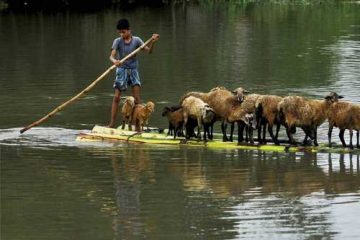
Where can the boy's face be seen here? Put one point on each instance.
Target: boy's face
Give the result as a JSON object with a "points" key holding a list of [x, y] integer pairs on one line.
{"points": [[124, 33]]}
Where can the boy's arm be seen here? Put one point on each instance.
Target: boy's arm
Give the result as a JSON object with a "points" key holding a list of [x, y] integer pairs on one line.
{"points": [[113, 58], [150, 46]]}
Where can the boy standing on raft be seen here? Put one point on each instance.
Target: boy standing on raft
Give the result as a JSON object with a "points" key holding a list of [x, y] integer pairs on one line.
{"points": [[126, 73]]}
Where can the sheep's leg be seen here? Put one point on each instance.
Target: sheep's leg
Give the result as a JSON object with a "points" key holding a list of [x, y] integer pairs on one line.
{"points": [[315, 137], [123, 124], [175, 132], [223, 130], [288, 133], [206, 130], [351, 136], [270, 130], [329, 133], [199, 126], [264, 133], [240, 132], [259, 133], [341, 136], [277, 133], [251, 135], [357, 138], [231, 131], [211, 136], [170, 130]]}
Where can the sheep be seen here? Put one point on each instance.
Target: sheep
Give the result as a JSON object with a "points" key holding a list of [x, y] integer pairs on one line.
{"points": [[266, 113], [175, 117], [344, 115], [141, 115], [295, 111], [196, 108], [243, 114], [127, 111], [221, 101]]}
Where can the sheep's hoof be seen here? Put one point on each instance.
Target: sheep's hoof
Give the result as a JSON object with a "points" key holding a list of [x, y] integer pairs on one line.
{"points": [[183, 141]]}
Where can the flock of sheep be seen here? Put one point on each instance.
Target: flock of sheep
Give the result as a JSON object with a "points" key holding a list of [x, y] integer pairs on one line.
{"points": [[250, 111]]}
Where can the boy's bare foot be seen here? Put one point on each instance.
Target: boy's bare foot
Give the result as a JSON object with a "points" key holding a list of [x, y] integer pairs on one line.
{"points": [[111, 125]]}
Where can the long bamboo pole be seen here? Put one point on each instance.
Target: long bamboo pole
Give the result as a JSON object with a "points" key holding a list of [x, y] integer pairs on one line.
{"points": [[87, 89]]}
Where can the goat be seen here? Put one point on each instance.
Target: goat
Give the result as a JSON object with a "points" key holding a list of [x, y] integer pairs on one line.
{"points": [[127, 111], [141, 115]]}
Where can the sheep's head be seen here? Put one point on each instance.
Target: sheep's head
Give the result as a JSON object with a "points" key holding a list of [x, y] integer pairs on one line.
{"points": [[250, 120], [150, 106], [240, 93], [165, 111], [208, 113], [333, 97], [130, 101]]}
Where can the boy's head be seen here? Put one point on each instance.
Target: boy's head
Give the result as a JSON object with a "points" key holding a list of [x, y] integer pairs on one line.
{"points": [[123, 24], [123, 28]]}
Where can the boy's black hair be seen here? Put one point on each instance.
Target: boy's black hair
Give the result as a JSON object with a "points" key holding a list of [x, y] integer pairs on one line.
{"points": [[123, 24]]}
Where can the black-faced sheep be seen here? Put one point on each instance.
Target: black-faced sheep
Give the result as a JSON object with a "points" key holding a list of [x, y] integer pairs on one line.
{"points": [[344, 115], [267, 114], [196, 108], [141, 115], [127, 111], [308, 114]]}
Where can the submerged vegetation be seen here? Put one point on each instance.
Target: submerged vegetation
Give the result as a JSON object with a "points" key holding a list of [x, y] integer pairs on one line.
{"points": [[99, 4]]}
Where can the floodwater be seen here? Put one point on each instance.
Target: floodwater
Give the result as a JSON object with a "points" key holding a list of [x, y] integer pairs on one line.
{"points": [[53, 187]]}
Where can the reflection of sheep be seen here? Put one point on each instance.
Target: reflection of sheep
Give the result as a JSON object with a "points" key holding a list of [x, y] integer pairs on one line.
{"points": [[243, 112], [141, 115], [127, 111], [266, 114], [344, 115], [175, 117], [221, 101], [196, 108], [308, 114]]}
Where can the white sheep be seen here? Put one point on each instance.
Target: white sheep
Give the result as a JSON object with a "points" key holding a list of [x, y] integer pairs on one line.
{"points": [[194, 107]]}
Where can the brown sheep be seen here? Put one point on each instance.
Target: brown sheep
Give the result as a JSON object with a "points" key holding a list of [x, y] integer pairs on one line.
{"points": [[175, 117], [344, 115], [221, 101], [295, 111], [194, 107], [127, 111], [241, 113], [267, 114], [141, 115]]}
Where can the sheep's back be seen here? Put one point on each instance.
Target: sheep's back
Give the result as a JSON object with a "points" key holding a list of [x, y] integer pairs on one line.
{"points": [[345, 115]]}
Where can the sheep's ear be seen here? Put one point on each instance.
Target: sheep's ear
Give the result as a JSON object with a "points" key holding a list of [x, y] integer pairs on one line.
{"points": [[340, 96], [246, 91], [328, 97]]}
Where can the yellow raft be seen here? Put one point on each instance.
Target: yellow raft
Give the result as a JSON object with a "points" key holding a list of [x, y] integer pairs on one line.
{"points": [[100, 133]]}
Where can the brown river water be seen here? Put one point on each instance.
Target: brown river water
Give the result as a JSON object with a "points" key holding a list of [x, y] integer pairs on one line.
{"points": [[53, 187]]}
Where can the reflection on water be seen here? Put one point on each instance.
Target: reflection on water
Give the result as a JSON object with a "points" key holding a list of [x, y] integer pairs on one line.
{"points": [[135, 191]]}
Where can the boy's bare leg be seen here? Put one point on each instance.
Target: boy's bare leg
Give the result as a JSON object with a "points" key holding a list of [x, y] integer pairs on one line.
{"points": [[136, 93], [114, 108]]}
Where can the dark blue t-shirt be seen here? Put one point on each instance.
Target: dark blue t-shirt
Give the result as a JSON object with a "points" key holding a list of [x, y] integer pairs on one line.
{"points": [[123, 49]]}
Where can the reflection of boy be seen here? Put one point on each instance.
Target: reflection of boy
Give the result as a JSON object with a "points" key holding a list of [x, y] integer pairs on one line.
{"points": [[127, 72]]}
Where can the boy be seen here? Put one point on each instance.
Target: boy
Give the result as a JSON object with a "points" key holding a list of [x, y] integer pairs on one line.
{"points": [[126, 73]]}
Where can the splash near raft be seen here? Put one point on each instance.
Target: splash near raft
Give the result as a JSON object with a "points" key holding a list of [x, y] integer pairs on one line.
{"points": [[100, 133]]}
